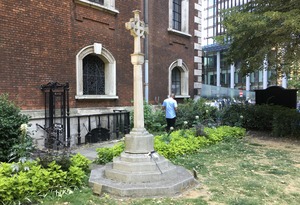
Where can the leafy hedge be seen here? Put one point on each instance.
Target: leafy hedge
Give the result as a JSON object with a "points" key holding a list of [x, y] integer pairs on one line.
{"points": [[280, 121], [26, 182], [177, 143], [10, 122], [184, 142], [190, 111]]}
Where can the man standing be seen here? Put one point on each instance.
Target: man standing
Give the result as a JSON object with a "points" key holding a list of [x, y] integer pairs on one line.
{"points": [[170, 106]]}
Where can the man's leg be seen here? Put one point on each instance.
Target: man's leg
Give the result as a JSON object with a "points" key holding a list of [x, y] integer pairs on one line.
{"points": [[168, 124], [172, 122]]}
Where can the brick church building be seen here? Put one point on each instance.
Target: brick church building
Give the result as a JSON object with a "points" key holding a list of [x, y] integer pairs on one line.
{"points": [[83, 47]]}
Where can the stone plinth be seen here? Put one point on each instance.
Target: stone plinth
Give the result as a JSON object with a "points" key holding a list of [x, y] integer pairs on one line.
{"points": [[139, 141], [140, 175]]}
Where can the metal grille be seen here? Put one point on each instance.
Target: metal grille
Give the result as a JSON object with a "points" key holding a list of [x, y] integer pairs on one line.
{"points": [[93, 76]]}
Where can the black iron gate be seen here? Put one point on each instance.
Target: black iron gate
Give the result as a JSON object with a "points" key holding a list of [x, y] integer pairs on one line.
{"points": [[57, 120]]}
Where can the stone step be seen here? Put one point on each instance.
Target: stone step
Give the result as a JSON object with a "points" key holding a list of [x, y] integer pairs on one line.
{"points": [[139, 176], [141, 166], [173, 184]]}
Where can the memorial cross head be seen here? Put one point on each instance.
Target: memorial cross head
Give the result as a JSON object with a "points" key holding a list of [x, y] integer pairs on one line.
{"points": [[136, 26]]}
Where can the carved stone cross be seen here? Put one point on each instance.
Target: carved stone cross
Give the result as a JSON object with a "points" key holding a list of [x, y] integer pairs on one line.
{"points": [[137, 30], [139, 141]]}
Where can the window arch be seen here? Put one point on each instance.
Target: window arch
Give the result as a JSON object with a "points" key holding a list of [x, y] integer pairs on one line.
{"points": [[95, 73], [179, 79]]}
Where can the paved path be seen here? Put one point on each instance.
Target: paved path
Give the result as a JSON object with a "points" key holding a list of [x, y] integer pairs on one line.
{"points": [[89, 150]]}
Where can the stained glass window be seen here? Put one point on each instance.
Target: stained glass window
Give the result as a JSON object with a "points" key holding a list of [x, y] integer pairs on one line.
{"points": [[93, 76]]}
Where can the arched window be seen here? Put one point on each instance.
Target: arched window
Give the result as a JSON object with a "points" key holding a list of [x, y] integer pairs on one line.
{"points": [[96, 73], [179, 79]]}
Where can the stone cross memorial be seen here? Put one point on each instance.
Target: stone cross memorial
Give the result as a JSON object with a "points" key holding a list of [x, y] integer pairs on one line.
{"points": [[139, 140], [139, 171]]}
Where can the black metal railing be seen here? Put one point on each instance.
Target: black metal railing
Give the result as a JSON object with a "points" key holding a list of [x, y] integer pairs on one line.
{"points": [[102, 127], [88, 129]]}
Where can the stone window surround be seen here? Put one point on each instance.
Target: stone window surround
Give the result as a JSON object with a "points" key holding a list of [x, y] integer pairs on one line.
{"points": [[110, 72], [109, 5], [184, 78], [184, 18]]}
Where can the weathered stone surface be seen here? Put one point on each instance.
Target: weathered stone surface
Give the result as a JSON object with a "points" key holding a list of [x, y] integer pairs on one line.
{"points": [[169, 182]]}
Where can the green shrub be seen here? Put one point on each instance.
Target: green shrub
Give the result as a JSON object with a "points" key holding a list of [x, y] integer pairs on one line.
{"points": [[10, 122], [190, 111], [177, 143], [184, 142], [154, 118], [81, 162], [258, 117], [181, 142], [61, 158], [224, 133], [281, 121], [26, 182], [195, 112], [106, 154], [286, 122], [24, 148]]}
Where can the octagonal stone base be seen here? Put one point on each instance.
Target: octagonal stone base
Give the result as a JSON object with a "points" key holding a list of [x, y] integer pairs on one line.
{"points": [[141, 175]]}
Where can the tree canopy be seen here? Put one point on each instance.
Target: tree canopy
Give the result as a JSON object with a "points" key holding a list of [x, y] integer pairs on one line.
{"points": [[263, 29]]}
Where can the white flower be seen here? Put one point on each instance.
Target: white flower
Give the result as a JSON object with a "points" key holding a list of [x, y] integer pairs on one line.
{"points": [[171, 128], [23, 127], [241, 116], [196, 117], [185, 122]]}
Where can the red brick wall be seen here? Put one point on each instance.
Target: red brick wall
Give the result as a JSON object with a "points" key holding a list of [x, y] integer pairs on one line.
{"points": [[166, 47], [39, 41]]}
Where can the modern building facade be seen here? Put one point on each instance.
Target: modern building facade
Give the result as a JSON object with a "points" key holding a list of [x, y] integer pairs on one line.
{"points": [[216, 72], [84, 44]]}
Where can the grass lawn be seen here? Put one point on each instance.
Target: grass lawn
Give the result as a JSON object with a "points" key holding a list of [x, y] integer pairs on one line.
{"points": [[251, 171]]}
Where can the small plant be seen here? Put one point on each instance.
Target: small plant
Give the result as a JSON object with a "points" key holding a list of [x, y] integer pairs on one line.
{"points": [[24, 147], [106, 154], [81, 162], [61, 158]]}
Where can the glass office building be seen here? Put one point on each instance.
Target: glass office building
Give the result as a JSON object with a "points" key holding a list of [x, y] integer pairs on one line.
{"points": [[216, 71]]}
